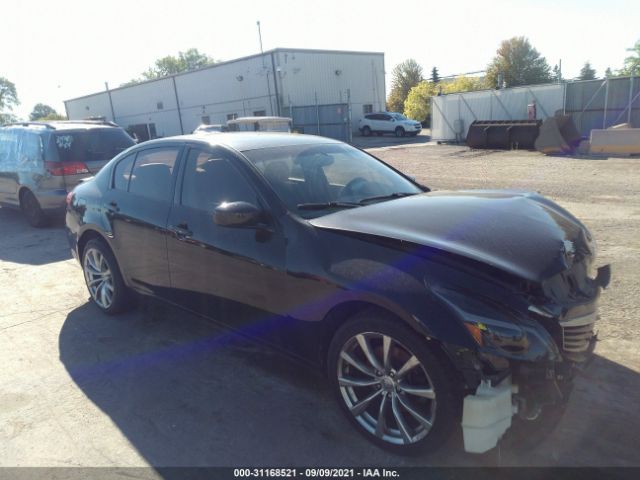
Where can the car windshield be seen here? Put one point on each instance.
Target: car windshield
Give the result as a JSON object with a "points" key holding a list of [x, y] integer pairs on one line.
{"points": [[317, 179], [399, 116], [92, 145]]}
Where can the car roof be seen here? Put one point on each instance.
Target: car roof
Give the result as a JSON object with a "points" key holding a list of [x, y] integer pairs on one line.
{"points": [[63, 125], [244, 141]]}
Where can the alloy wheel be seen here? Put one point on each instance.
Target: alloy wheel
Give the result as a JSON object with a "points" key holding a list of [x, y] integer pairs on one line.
{"points": [[386, 388], [98, 276]]}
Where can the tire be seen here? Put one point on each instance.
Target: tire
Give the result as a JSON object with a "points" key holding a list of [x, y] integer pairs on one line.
{"points": [[366, 132], [103, 278], [355, 379], [32, 210], [399, 132]]}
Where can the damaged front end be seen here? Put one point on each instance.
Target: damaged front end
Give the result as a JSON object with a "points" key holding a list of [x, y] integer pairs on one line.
{"points": [[529, 350]]}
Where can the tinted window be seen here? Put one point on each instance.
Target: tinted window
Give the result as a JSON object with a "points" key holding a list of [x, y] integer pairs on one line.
{"points": [[122, 173], [153, 172], [385, 117], [210, 179], [91, 145]]}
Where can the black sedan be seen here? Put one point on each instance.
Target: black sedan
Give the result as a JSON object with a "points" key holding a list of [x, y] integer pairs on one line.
{"points": [[428, 310]]}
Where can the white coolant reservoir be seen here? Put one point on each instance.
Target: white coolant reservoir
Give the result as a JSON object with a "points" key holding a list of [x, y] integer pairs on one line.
{"points": [[486, 416]]}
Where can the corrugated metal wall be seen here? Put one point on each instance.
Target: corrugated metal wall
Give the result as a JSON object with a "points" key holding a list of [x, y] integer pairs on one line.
{"points": [[259, 84], [591, 103], [506, 104]]}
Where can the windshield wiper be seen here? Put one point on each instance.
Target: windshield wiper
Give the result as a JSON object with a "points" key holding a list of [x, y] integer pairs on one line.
{"points": [[325, 205], [387, 197]]}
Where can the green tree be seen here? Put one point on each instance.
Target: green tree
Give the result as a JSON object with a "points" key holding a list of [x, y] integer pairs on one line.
{"points": [[8, 96], [418, 103], [587, 72], [405, 76], [435, 76], [192, 59], [608, 73], [517, 63], [556, 76], [632, 62], [40, 111]]}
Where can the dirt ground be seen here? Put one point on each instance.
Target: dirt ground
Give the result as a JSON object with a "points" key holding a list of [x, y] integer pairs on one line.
{"points": [[161, 387]]}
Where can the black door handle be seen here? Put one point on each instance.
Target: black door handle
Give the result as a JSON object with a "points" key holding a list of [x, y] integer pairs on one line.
{"points": [[113, 206], [181, 231]]}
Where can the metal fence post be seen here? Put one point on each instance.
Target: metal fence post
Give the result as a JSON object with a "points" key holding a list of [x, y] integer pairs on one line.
{"points": [[606, 102], [317, 114], [630, 99]]}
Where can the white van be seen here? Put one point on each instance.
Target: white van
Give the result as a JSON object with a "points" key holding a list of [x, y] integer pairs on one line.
{"points": [[260, 124]]}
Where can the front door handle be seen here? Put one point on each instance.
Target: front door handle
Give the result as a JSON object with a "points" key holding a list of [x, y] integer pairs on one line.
{"points": [[181, 231]]}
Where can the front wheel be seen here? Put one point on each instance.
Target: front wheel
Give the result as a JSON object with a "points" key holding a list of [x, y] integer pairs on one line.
{"points": [[366, 131], [399, 132], [103, 278], [390, 385]]}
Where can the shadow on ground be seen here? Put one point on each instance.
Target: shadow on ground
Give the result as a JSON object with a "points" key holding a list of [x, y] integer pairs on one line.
{"points": [[22, 243], [187, 393], [390, 140]]}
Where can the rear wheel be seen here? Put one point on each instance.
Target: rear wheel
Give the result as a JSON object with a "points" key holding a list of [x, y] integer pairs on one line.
{"points": [[103, 278], [399, 132], [366, 131], [32, 210], [390, 385]]}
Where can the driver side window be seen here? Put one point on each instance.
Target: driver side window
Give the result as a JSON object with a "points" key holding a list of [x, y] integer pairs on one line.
{"points": [[210, 179]]}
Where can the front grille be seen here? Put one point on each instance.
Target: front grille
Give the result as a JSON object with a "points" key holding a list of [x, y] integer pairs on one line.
{"points": [[577, 333]]}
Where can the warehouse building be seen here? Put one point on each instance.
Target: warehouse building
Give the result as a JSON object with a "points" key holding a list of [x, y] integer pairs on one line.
{"points": [[325, 92], [592, 104]]}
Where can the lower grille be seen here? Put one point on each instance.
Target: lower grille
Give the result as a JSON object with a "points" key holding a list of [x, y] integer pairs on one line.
{"points": [[577, 333]]}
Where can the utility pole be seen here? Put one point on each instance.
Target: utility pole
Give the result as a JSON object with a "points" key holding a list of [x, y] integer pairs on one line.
{"points": [[260, 36]]}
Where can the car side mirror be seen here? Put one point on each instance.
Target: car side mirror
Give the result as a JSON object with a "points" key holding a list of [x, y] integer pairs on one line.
{"points": [[236, 214]]}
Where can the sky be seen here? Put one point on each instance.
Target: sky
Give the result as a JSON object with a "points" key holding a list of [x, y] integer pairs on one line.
{"points": [[54, 51]]}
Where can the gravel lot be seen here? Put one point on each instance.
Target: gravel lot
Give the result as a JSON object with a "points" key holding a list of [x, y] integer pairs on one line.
{"points": [[162, 387]]}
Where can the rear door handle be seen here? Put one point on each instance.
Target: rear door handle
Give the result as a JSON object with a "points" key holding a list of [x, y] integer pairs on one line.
{"points": [[181, 231], [113, 206]]}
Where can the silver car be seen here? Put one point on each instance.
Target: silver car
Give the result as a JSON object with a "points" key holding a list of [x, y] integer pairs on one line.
{"points": [[40, 162]]}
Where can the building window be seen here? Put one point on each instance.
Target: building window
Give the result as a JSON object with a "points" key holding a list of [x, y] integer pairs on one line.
{"points": [[159, 105], [367, 108], [206, 119], [260, 113], [232, 116]]}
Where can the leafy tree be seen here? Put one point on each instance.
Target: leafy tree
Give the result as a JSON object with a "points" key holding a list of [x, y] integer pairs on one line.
{"points": [[7, 118], [53, 116], [41, 111], [406, 75], [608, 73], [632, 62], [556, 76], [8, 94], [418, 103], [587, 73], [435, 76], [192, 59], [518, 63]]}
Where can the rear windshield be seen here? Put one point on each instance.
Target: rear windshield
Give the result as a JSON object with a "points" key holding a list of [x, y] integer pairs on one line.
{"points": [[91, 145]]}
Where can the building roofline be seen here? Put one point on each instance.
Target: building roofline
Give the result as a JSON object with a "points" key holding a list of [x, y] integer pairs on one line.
{"points": [[227, 62]]}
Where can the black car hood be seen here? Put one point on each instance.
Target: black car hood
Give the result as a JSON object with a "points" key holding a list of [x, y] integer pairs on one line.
{"points": [[521, 233]]}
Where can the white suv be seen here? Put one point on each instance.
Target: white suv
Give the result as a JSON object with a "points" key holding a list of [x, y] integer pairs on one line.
{"points": [[388, 122]]}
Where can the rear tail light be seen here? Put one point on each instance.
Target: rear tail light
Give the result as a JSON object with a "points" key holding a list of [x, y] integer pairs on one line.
{"points": [[65, 168], [69, 199]]}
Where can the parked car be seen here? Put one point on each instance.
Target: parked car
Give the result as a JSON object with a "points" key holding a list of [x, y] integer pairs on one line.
{"points": [[260, 124], [205, 128], [388, 122], [418, 305], [40, 162]]}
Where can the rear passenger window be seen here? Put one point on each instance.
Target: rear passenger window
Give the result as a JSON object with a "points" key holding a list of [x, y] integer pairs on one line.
{"points": [[152, 173], [210, 179], [122, 174]]}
